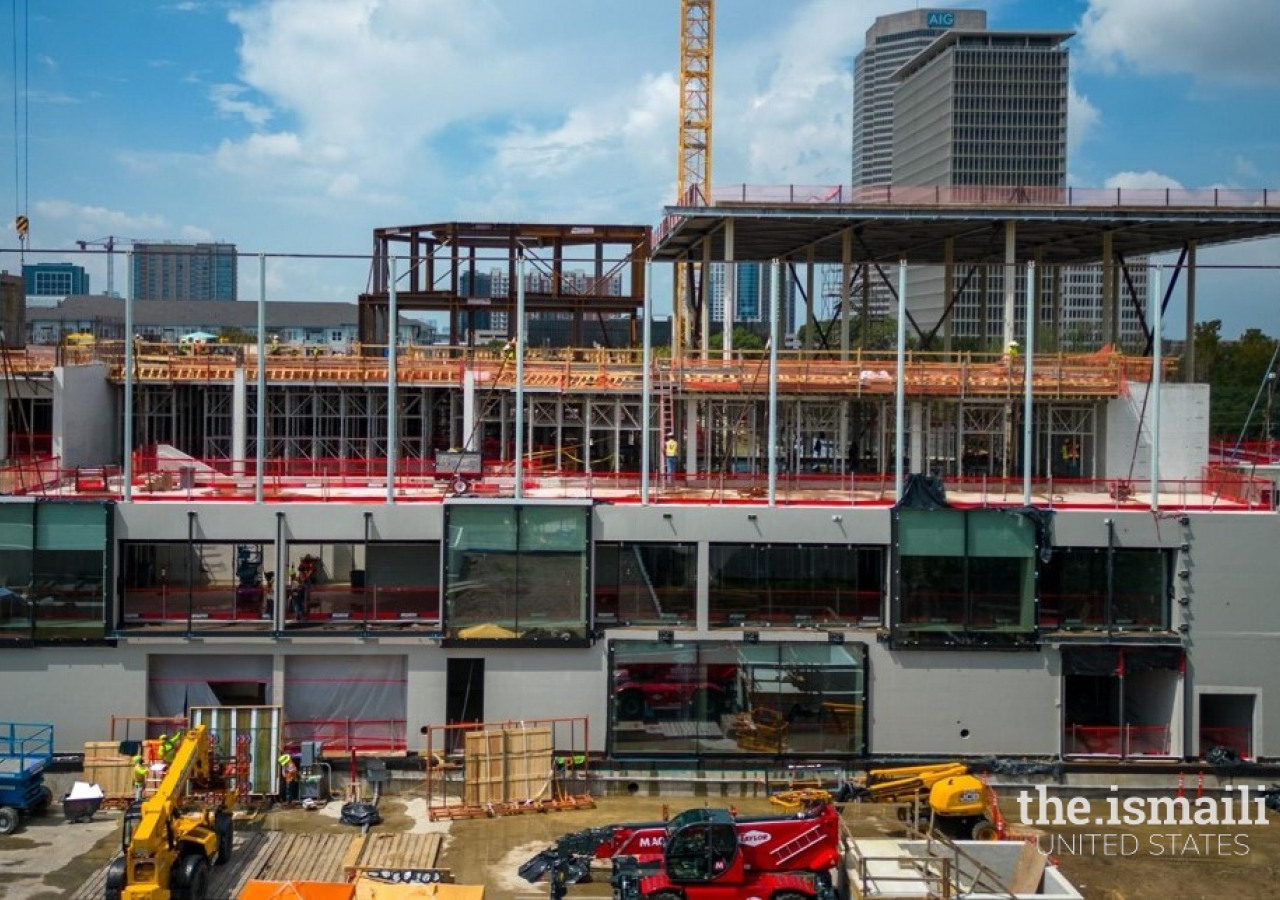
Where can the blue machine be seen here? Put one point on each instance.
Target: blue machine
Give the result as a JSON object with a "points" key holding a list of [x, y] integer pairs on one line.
{"points": [[25, 752]]}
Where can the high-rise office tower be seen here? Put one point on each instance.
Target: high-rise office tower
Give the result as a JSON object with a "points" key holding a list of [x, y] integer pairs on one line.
{"points": [[941, 100], [892, 41], [184, 272]]}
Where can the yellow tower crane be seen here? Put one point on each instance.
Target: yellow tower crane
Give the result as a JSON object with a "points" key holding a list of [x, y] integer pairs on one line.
{"points": [[693, 183]]}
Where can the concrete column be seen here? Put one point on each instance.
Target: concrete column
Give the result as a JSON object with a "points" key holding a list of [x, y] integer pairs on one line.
{"points": [[1189, 355], [948, 289], [586, 433], [846, 273], [704, 285], [1108, 287], [690, 437], [810, 321], [730, 291], [915, 413], [702, 589], [469, 410], [239, 418], [1010, 283]]}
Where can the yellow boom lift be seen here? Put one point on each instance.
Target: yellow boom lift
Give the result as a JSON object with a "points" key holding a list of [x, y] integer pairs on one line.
{"points": [[172, 838], [957, 802]]}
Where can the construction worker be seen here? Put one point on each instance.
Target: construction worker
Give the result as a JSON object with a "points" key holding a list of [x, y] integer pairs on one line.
{"points": [[670, 453], [139, 778], [288, 778], [169, 746]]}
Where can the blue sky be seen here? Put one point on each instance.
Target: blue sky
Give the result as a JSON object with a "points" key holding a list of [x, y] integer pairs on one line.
{"points": [[299, 126]]}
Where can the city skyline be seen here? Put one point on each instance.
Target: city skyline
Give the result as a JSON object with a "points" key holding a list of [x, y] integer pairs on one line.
{"points": [[267, 124]]}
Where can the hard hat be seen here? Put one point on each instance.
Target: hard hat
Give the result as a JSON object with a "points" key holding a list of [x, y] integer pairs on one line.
{"points": [[1013, 343], [284, 759], [164, 737], [137, 760]]}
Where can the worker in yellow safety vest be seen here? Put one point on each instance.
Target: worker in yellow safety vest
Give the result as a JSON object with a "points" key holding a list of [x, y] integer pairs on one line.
{"points": [[288, 778], [671, 452], [139, 778], [169, 746]]}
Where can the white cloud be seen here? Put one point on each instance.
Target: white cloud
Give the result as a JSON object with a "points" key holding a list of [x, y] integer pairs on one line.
{"points": [[226, 100], [245, 156], [1246, 168], [1082, 118], [1233, 41], [1142, 180], [92, 221]]}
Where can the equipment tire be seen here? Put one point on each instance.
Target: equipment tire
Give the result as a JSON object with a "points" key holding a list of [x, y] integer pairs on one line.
{"points": [[664, 895], [193, 872], [8, 820], [631, 704], [790, 895], [985, 830], [117, 872], [225, 827]]}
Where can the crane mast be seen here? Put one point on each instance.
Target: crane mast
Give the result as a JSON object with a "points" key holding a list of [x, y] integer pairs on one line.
{"points": [[693, 181]]}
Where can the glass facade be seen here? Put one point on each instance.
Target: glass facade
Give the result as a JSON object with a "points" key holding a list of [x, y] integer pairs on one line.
{"points": [[795, 584], [645, 584], [964, 576], [197, 585], [54, 570], [354, 584], [721, 698], [1095, 588], [517, 573]]}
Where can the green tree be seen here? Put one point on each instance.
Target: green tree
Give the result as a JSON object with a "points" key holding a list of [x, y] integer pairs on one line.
{"points": [[743, 339]]}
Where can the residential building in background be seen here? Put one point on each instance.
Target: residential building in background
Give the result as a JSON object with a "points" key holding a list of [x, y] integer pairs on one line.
{"points": [[55, 279], [184, 271], [753, 295]]}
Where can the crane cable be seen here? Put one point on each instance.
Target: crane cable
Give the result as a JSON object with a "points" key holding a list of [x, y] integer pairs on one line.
{"points": [[21, 124]]}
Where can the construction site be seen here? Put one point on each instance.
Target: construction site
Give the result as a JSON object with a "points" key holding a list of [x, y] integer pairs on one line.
{"points": [[607, 613]]}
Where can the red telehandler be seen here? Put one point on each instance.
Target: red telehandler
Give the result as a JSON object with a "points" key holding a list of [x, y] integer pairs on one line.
{"points": [[703, 854]]}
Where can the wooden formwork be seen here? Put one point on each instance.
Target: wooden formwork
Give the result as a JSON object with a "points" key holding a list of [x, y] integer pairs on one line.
{"points": [[506, 768]]}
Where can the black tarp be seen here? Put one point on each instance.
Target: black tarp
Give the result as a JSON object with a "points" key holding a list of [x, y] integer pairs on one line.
{"points": [[923, 492]]}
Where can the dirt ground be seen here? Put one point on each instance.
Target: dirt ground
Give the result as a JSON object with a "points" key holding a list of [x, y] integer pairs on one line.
{"points": [[50, 858]]}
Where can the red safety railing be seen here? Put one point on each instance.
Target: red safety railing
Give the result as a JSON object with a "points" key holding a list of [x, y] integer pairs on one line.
{"points": [[1116, 740], [342, 736], [1238, 739]]}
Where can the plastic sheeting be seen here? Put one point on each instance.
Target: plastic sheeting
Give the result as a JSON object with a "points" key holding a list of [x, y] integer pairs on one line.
{"points": [[177, 683], [923, 492], [359, 695]]}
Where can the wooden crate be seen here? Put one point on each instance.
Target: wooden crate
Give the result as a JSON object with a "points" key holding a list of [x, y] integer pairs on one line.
{"points": [[485, 768], [529, 762], [106, 767]]}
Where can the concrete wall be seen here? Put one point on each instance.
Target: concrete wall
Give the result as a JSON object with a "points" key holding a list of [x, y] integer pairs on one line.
{"points": [[1184, 433], [85, 417], [963, 703]]}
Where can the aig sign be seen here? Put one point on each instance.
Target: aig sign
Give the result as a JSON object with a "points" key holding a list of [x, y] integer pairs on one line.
{"points": [[940, 20]]}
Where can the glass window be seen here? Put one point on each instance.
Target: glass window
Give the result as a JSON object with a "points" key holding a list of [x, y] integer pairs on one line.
{"points": [[198, 585], [964, 572], [53, 566], [706, 698], [1077, 592], [17, 539], [350, 584], [517, 572], [645, 584], [767, 584]]}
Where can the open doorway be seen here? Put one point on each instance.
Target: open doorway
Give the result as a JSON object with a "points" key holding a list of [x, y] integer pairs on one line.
{"points": [[1122, 702], [464, 696], [1226, 720]]}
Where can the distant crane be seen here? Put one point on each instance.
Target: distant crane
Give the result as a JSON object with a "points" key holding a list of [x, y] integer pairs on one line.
{"points": [[108, 243]]}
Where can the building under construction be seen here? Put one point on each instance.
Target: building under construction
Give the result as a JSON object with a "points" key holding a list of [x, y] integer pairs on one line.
{"points": [[804, 554]]}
